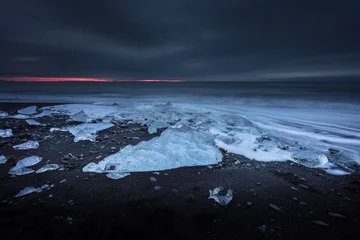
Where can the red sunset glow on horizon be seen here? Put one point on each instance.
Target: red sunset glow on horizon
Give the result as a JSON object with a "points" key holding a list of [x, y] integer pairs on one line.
{"points": [[78, 79]]}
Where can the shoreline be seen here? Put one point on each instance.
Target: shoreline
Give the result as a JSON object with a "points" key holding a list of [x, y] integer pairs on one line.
{"points": [[94, 206]]}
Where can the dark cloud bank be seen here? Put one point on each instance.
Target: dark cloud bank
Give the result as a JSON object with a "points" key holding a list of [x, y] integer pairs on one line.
{"points": [[180, 39]]}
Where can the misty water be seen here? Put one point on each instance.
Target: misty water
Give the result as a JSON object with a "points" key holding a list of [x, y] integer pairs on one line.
{"points": [[315, 124]]}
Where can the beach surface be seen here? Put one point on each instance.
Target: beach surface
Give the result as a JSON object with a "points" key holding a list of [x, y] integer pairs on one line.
{"points": [[276, 200]]}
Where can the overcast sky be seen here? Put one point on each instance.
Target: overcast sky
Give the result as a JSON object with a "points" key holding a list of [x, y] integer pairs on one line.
{"points": [[180, 39]]}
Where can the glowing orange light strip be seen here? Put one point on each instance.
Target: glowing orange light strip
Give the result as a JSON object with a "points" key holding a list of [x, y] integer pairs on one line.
{"points": [[55, 79]]}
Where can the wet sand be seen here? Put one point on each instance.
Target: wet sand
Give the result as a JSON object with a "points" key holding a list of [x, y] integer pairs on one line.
{"points": [[92, 206]]}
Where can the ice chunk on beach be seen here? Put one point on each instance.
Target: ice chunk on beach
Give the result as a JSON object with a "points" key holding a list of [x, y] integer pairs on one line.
{"points": [[220, 197], [79, 117], [336, 172], [174, 148], [21, 171], [117, 175], [48, 167], [247, 145], [3, 114], [28, 110], [20, 116], [44, 113], [309, 158], [57, 130], [155, 125], [87, 131], [3, 159], [24, 163], [32, 122], [91, 111], [27, 145], [5, 133], [27, 190]]}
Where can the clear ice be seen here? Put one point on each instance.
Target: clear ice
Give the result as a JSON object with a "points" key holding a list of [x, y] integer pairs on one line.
{"points": [[5, 133], [87, 131], [79, 117], [27, 145], [32, 122], [27, 190], [3, 159], [174, 148], [21, 166], [28, 110], [220, 197], [48, 167]]}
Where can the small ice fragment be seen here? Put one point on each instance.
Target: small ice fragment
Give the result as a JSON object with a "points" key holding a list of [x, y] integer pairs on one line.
{"points": [[157, 188], [3, 159], [25, 162], [57, 129], [27, 145], [155, 125], [310, 158], [79, 117], [69, 219], [62, 181], [294, 198], [45, 186], [220, 198], [153, 179], [249, 204], [336, 172], [21, 171], [274, 207], [28, 110], [336, 215], [5, 133], [156, 173], [294, 188], [27, 190], [20, 116], [262, 228], [303, 186], [237, 162], [209, 167], [320, 223], [3, 114], [117, 175], [44, 113], [87, 131], [50, 196], [48, 167], [32, 122]]}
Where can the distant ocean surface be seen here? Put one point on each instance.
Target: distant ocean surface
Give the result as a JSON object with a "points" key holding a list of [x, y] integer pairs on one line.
{"points": [[334, 91]]}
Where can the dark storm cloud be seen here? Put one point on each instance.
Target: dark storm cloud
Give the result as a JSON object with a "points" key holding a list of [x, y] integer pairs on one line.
{"points": [[179, 39]]}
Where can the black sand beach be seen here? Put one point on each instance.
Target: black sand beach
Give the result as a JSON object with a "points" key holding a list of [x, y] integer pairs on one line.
{"points": [[92, 206]]}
